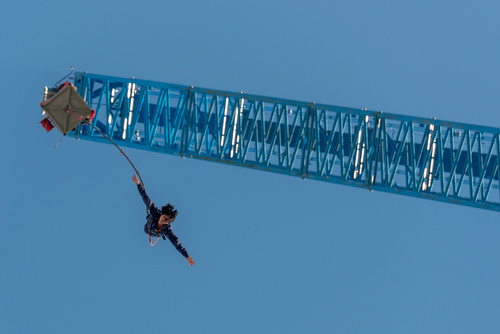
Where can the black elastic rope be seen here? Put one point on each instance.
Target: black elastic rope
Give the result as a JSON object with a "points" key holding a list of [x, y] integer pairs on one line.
{"points": [[121, 151]]}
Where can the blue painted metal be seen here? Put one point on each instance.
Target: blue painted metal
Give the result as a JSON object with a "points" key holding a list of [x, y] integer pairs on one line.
{"points": [[428, 158]]}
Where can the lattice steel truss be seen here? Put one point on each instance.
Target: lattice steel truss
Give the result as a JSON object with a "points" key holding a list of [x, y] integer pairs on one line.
{"points": [[428, 158]]}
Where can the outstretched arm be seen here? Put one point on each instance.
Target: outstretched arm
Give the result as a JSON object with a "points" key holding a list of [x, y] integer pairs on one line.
{"points": [[177, 244], [149, 203]]}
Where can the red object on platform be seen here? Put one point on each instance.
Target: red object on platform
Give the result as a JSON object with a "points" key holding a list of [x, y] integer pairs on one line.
{"points": [[47, 125]]}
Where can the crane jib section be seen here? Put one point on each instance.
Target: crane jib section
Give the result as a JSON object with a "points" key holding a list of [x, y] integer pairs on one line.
{"points": [[428, 158]]}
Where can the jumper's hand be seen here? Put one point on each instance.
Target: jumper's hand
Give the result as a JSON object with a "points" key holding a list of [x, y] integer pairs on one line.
{"points": [[191, 261], [134, 178]]}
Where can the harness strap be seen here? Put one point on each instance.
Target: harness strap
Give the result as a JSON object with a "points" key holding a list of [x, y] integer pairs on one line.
{"points": [[149, 233]]}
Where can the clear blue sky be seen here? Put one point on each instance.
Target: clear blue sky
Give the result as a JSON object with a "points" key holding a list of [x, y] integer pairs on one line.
{"points": [[275, 254]]}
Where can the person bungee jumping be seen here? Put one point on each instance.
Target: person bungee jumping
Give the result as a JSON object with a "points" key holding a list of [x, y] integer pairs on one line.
{"points": [[159, 221]]}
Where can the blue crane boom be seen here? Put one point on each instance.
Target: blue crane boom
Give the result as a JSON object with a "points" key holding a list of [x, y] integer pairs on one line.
{"points": [[428, 158]]}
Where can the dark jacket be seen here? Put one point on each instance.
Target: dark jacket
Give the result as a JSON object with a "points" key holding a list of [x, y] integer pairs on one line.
{"points": [[151, 226]]}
